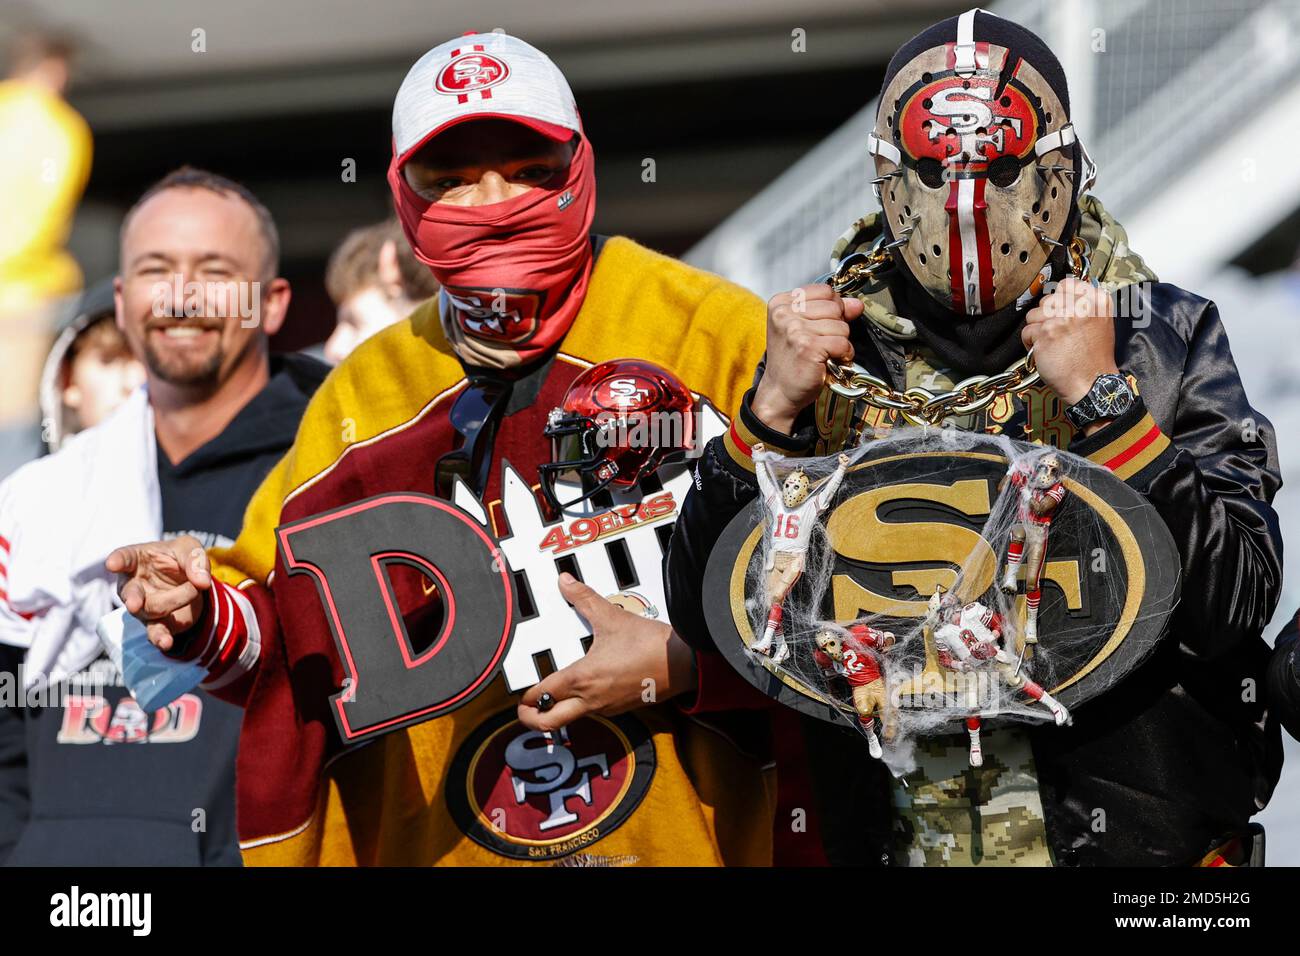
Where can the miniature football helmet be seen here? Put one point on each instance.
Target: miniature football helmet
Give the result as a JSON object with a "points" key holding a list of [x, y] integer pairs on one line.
{"points": [[619, 422], [633, 603], [794, 490]]}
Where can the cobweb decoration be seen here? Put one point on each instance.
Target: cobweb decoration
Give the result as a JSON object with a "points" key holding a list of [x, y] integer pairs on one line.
{"points": [[928, 689]]}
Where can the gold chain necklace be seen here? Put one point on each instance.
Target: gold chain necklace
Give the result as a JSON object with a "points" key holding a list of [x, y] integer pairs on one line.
{"points": [[917, 405]]}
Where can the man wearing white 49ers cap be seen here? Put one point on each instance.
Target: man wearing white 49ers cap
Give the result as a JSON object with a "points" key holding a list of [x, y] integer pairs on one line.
{"points": [[478, 123], [493, 181]]}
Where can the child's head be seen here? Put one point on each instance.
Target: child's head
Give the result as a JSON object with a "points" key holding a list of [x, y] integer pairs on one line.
{"points": [[375, 281], [99, 372]]}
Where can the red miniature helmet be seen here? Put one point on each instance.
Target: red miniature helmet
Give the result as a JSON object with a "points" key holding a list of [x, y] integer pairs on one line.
{"points": [[619, 422]]}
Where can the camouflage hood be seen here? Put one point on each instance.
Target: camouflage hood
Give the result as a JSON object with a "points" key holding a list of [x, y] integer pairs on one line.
{"points": [[1113, 263]]}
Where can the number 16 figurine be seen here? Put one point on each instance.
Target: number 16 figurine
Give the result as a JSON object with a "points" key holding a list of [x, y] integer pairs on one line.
{"points": [[793, 512]]}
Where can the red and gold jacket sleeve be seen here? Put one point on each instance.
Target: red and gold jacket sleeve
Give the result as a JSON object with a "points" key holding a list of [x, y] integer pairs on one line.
{"points": [[227, 641]]}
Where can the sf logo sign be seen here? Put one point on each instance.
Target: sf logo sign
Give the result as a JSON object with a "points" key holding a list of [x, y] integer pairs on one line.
{"points": [[903, 526]]}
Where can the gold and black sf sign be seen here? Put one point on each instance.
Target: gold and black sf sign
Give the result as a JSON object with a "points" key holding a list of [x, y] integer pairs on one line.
{"points": [[904, 524]]}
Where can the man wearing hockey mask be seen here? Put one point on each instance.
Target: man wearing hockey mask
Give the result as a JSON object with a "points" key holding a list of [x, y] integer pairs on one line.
{"points": [[980, 253], [980, 170], [492, 178]]}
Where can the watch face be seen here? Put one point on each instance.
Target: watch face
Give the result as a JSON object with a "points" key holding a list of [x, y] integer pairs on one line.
{"points": [[1112, 396]]}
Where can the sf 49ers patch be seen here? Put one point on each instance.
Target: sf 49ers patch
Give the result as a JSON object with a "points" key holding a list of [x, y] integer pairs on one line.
{"points": [[532, 796], [502, 315]]}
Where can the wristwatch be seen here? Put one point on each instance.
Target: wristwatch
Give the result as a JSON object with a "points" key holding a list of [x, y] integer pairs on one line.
{"points": [[1110, 397]]}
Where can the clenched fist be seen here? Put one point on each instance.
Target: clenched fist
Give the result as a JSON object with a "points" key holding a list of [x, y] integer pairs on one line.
{"points": [[805, 327], [1072, 333], [162, 584]]}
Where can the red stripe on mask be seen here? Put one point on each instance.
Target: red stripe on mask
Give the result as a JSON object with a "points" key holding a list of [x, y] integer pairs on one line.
{"points": [[954, 250], [984, 247], [979, 250]]}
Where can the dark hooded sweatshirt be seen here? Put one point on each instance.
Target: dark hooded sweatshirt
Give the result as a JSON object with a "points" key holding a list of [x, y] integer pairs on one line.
{"points": [[95, 781]]}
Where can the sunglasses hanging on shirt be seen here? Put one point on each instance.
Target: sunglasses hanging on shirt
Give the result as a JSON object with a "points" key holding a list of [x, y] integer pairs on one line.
{"points": [[475, 415]]}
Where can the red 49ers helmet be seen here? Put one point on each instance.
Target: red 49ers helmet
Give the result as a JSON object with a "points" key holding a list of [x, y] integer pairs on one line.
{"points": [[619, 422]]}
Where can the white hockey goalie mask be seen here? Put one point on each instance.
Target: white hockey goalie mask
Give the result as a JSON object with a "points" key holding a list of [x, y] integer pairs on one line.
{"points": [[829, 644], [1047, 471], [941, 602], [979, 161], [794, 490]]}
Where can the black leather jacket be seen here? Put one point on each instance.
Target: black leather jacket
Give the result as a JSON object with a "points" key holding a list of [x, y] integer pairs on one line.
{"points": [[1284, 677], [1185, 750]]}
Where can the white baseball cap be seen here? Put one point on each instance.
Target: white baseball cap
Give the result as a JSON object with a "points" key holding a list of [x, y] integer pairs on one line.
{"points": [[477, 76]]}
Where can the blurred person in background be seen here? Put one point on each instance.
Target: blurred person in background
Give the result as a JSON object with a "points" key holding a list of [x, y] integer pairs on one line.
{"points": [[44, 166], [90, 370], [375, 281], [197, 298]]}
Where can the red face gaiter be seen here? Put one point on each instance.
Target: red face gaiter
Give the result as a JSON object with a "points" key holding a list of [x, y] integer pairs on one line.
{"points": [[515, 273]]}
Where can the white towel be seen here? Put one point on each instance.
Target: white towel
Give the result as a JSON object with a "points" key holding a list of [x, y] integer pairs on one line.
{"points": [[61, 516]]}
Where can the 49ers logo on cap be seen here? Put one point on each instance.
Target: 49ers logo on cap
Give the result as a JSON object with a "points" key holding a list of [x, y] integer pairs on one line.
{"points": [[471, 71], [532, 796]]}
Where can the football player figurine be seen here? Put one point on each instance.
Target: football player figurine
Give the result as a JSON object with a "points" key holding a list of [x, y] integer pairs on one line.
{"points": [[851, 652], [792, 510], [968, 637], [1041, 492]]}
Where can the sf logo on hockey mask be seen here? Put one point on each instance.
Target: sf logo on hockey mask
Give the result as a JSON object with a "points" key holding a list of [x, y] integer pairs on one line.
{"points": [[977, 206], [960, 124], [535, 796]]}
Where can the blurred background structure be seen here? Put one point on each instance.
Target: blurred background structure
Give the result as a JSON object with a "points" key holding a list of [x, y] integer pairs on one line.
{"points": [[754, 114], [284, 93]]}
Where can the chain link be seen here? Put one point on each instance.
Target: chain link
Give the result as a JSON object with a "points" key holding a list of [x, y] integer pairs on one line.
{"points": [[917, 405]]}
